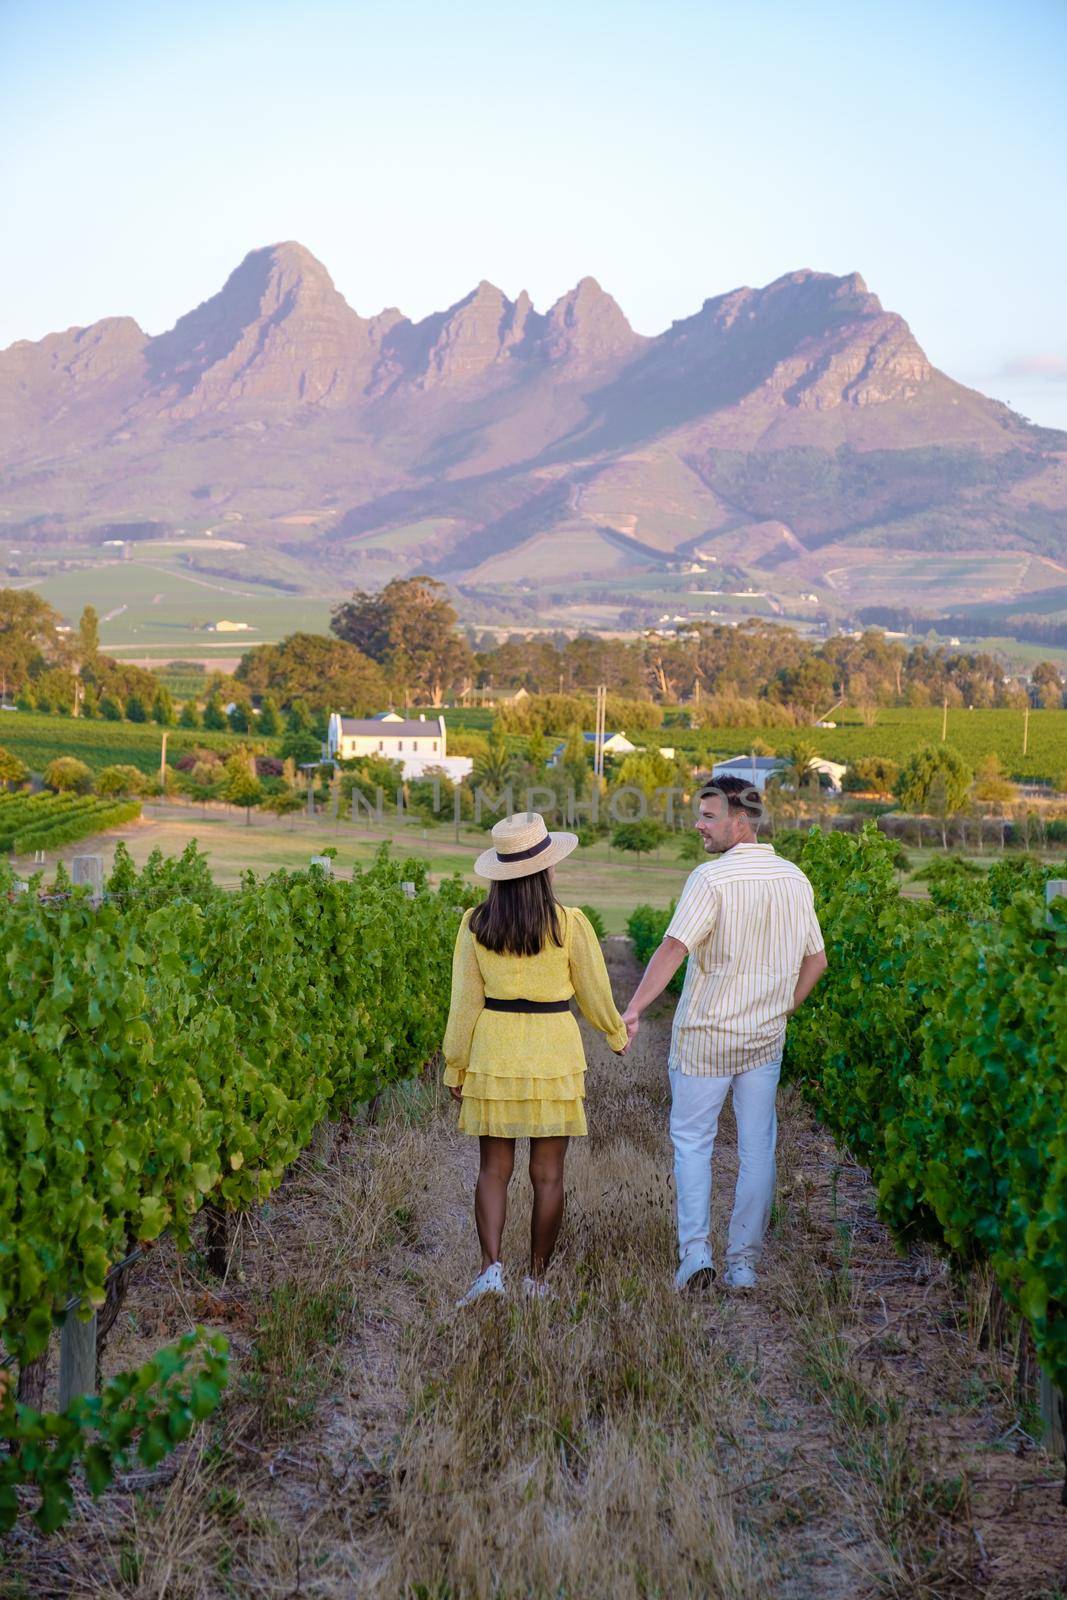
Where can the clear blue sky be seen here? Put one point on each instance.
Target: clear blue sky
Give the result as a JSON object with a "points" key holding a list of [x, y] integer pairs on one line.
{"points": [[672, 149]]}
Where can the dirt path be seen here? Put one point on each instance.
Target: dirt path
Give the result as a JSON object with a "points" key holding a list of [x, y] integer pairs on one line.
{"points": [[840, 1432]]}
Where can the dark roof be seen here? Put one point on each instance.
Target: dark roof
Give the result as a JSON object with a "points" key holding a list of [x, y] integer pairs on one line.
{"points": [[374, 727]]}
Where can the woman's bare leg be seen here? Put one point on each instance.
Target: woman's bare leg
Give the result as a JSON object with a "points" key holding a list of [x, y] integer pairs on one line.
{"points": [[491, 1194], [546, 1175]]}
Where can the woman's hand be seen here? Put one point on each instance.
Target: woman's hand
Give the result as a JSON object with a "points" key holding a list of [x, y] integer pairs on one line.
{"points": [[456, 1091], [632, 1019]]}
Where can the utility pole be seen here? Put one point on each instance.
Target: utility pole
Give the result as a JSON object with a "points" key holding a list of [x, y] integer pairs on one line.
{"points": [[163, 765], [944, 719], [1026, 724], [600, 730]]}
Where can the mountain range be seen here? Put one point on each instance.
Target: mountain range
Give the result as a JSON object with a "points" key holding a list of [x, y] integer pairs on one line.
{"points": [[796, 429]]}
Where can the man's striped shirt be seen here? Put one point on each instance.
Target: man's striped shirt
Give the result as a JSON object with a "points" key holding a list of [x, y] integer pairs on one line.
{"points": [[748, 920]]}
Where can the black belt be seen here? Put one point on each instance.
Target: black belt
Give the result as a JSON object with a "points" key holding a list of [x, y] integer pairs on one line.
{"points": [[526, 1005]]}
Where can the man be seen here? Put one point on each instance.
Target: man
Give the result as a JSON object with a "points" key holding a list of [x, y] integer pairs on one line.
{"points": [[747, 923]]}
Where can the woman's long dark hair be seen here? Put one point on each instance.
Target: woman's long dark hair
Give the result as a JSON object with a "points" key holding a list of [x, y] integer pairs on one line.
{"points": [[518, 916]]}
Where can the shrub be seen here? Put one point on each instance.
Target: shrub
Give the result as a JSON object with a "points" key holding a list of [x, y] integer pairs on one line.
{"points": [[12, 770], [121, 779], [595, 920], [67, 775]]}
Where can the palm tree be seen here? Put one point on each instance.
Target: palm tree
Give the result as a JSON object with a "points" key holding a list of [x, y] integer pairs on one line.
{"points": [[796, 773], [495, 768]]}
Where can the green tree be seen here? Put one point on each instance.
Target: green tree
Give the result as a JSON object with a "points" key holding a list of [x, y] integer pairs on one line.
{"points": [[121, 779], [135, 710], [214, 717], [67, 775], [269, 724], [575, 762], [110, 709], [409, 628], [88, 637], [242, 787], [238, 717], [495, 769], [330, 674], [934, 773], [299, 717], [691, 846], [206, 780], [283, 803], [163, 707], [873, 774], [190, 716], [1048, 685], [638, 838], [991, 791], [29, 636], [301, 745], [12, 770]]}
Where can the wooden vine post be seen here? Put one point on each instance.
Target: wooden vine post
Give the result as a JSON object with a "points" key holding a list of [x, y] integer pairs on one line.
{"points": [[77, 1339], [1053, 1401]]}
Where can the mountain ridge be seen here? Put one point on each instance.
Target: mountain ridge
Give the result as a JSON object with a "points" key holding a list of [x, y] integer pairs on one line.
{"points": [[803, 403]]}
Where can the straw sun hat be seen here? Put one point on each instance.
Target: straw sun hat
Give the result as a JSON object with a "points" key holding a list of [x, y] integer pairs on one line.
{"points": [[521, 845]]}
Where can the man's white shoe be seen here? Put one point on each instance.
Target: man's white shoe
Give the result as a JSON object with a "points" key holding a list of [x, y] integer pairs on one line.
{"points": [[697, 1270], [491, 1281], [740, 1275]]}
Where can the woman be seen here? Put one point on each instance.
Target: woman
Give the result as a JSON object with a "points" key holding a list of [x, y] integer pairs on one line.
{"points": [[513, 1053]]}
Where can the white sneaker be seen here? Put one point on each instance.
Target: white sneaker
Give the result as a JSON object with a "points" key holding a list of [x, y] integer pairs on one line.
{"points": [[537, 1289], [740, 1275], [491, 1281], [697, 1270]]}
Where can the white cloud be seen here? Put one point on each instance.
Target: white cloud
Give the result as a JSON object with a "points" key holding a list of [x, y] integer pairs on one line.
{"points": [[1047, 368]]}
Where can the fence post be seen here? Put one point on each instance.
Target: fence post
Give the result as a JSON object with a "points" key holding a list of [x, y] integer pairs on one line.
{"points": [[77, 1339], [1053, 1401], [90, 870], [325, 862]]}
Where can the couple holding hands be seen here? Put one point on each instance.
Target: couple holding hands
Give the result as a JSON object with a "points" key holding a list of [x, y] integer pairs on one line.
{"points": [[513, 1052]]}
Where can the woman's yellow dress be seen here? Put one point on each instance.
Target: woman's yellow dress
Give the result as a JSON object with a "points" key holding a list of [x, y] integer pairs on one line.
{"points": [[523, 1072]]}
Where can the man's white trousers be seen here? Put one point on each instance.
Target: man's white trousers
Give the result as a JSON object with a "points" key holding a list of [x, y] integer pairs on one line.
{"points": [[695, 1106]]}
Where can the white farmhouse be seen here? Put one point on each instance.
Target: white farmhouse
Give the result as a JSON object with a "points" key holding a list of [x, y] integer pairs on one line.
{"points": [[415, 743], [758, 770], [615, 744]]}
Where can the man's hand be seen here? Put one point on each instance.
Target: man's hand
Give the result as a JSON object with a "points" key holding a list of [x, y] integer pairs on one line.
{"points": [[456, 1091], [811, 970], [632, 1020], [658, 974]]}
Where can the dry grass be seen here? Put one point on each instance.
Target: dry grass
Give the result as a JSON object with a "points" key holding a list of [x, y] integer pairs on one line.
{"points": [[822, 1439]]}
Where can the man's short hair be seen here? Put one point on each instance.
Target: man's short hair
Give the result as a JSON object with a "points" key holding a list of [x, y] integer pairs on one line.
{"points": [[741, 797]]}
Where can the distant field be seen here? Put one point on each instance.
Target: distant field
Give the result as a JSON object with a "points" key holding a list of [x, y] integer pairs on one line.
{"points": [[155, 605], [899, 730], [896, 734], [586, 878], [37, 740]]}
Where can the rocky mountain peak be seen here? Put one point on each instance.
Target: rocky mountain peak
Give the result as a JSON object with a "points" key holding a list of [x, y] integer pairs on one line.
{"points": [[277, 332], [586, 324]]}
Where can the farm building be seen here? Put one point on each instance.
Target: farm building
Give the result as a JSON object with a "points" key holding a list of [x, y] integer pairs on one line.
{"points": [[758, 770], [615, 744], [416, 744]]}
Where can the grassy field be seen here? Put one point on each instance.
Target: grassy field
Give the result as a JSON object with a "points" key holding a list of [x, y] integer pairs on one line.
{"points": [[155, 603], [588, 877]]}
